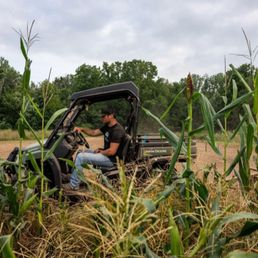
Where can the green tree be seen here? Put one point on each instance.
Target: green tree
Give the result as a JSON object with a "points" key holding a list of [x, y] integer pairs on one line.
{"points": [[10, 97], [64, 88], [86, 77]]}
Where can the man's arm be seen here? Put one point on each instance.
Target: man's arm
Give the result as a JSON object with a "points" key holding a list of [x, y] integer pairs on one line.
{"points": [[111, 151], [88, 131]]}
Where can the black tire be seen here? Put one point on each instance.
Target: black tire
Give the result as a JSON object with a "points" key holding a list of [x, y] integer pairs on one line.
{"points": [[52, 171]]}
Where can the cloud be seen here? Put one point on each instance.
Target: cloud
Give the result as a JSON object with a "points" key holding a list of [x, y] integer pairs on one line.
{"points": [[177, 36]]}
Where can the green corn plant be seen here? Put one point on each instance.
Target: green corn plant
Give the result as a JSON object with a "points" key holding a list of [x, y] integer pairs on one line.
{"points": [[6, 249], [248, 136], [25, 87], [210, 116], [248, 132], [227, 138], [189, 97], [176, 245], [18, 201], [255, 110], [25, 44]]}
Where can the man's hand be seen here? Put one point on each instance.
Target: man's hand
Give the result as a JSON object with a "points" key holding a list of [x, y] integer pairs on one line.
{"points": [[77, 129], [98, 150], [111, 151], [88, 131]]}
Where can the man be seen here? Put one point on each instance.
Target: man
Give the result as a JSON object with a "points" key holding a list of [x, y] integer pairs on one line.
{"points": [[113, 133]]}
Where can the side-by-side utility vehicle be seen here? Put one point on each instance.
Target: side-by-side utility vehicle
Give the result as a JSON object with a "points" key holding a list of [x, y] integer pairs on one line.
{"points": [[148, 151]]}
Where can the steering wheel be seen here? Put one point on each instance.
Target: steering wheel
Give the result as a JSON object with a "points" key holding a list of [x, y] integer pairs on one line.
{"points": [[82, 139]]}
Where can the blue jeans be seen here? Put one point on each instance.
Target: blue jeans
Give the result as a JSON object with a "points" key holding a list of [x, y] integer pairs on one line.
{"points": [[91, 158]]}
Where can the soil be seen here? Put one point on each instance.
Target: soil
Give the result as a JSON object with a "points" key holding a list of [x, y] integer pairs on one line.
{"points": [[205, 156]]}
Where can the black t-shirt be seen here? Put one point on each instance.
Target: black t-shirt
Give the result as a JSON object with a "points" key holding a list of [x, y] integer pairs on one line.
{"points": [[116, 134]]}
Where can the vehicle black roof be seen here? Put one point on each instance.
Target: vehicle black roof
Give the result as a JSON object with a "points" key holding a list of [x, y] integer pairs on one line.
{"points": [[108, 92]]}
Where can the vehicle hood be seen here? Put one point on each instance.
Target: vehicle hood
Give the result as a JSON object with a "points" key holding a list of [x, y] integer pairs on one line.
{"points": [[33, 147]]}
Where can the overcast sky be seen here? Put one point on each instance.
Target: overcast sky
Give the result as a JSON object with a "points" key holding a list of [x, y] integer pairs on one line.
{"points": [[177, 36]]}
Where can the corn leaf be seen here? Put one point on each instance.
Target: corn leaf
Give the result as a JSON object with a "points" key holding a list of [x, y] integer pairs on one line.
{"points": [[236, 103], [49, 192], [164, 194], [5, 247], [219, 224], [241, 78], [217, 247], [28, 193], [68, 162], [52, 149], [213, 146], [197, 130], [34, 162], [176, 245], [208, 117], [225, 99], [21, 129], [26, 205], [235, 91], [26, 77], [234, 96], [255, 107], [32, 181], [240, 254], [150, 253], [248, 228], [173, 139], [201, 190], [141, 241], [248, 111], [12, 197], [175, 156], [163, 116], [23, 50], [239, 101], [242, 120], [242, 134], [35, 106], [31, 129], [238, 216], [249, 141], [54, 116], [149, 205], [235, 161], [243, 173]]}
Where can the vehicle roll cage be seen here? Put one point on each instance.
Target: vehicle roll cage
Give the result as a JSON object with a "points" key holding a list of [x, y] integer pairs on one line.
{"points": [[125, 90]]}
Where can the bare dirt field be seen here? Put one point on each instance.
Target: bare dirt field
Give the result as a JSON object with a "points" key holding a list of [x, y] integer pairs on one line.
{"points": [[205, 156]]}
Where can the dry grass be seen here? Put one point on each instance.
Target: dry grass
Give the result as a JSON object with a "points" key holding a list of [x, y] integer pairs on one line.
{"points": [[8, 135], [77, 230]]}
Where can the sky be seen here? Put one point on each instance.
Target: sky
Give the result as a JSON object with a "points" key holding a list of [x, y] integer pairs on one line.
{"points": [[177, 36]]}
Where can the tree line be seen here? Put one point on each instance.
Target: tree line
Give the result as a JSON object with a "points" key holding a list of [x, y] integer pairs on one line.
{"points": [[156, 93]]}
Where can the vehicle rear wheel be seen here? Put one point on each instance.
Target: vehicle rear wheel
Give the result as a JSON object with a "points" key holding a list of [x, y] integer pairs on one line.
{"points": [[53, 172]]}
